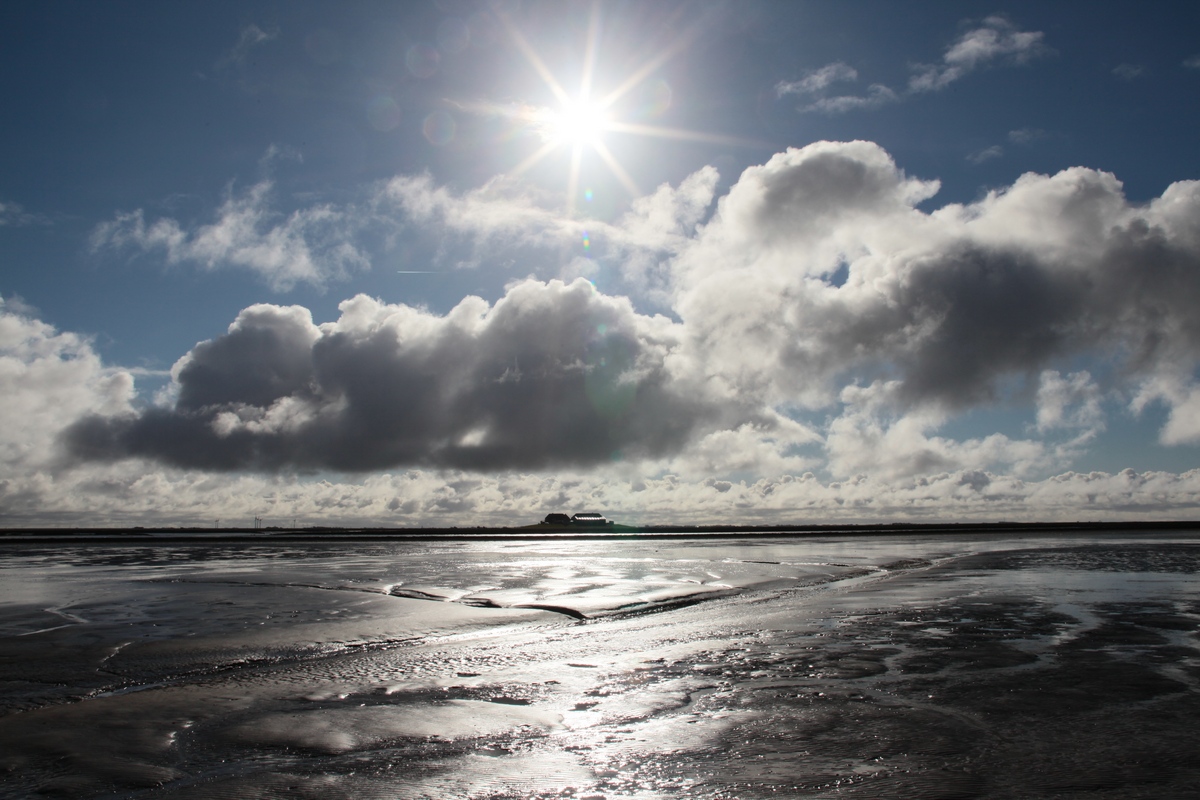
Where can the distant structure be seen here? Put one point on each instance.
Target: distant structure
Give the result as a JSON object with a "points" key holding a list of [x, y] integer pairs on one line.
{"points": [[584, 519], [590, 518]]}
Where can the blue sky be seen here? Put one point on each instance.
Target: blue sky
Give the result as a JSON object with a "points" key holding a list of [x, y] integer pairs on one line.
{"points": [[466, 262]]}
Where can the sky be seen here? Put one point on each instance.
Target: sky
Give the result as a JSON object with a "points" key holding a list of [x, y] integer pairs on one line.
{"points": [[470, 262]]}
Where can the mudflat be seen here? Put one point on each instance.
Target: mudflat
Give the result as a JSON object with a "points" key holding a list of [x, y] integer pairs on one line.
{"points": [[910, 666]]}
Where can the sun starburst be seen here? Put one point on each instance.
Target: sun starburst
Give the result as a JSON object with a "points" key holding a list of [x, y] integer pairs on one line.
{"points": [[577, 123], [580, 123]]}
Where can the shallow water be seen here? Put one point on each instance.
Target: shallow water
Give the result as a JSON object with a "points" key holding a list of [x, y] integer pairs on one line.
{"points": [[897, 666]]}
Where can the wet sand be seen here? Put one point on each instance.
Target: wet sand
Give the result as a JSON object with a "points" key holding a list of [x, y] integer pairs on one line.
{"points": [[904, 666]]}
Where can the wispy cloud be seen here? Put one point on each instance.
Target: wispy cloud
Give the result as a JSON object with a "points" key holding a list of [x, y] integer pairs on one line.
{"points": [[1070, 401], [1130, 72], [1027, 135], [817, 80], [499, 209], [310, 245], [13, 215], [249, 37], [877, 95], [986, 154], [814, 85], [996, 40], [502, 215]]}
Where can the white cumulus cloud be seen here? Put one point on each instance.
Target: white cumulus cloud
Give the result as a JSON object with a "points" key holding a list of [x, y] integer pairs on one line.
{"points": [[826, 317], [47, 379]]}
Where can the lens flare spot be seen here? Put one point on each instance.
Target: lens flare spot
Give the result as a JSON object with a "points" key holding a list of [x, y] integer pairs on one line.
{"points": [[422, 60], [382, 113], [656, 98], [323, 46], [608, 381], [439, 128], [453, 35]]}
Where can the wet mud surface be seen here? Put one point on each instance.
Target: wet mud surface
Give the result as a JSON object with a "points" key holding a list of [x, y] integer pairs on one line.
{"points": [[901, 667]]}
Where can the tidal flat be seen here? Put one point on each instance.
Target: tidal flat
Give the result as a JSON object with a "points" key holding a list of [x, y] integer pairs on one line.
{"points": [[907, 666]]}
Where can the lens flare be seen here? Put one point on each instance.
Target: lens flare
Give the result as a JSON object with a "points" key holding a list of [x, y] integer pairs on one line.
{"points": [[382, 113], [453, 35], [609, 381], [422, 60], [439, 128]]}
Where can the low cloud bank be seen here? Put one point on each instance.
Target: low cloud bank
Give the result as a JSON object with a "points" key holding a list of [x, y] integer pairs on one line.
{"points": [[130, 494]]}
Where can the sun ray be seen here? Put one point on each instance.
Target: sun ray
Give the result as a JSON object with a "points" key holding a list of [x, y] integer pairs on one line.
{"points": [[617, 169], [545, 150], [573, 176], [535, 60], [650, 66], [579, 122], [589, 56], [684, 135]]}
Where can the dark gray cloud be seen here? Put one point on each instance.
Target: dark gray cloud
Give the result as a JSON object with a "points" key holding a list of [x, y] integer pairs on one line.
{"points": [[970, 315], [266, 356], [554, 374]]}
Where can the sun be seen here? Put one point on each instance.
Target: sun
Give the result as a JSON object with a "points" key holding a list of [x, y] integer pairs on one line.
{"points": [[578, 122]]}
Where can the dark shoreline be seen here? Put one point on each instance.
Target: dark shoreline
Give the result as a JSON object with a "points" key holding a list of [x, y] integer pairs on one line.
{"points": [[541, 531]]}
